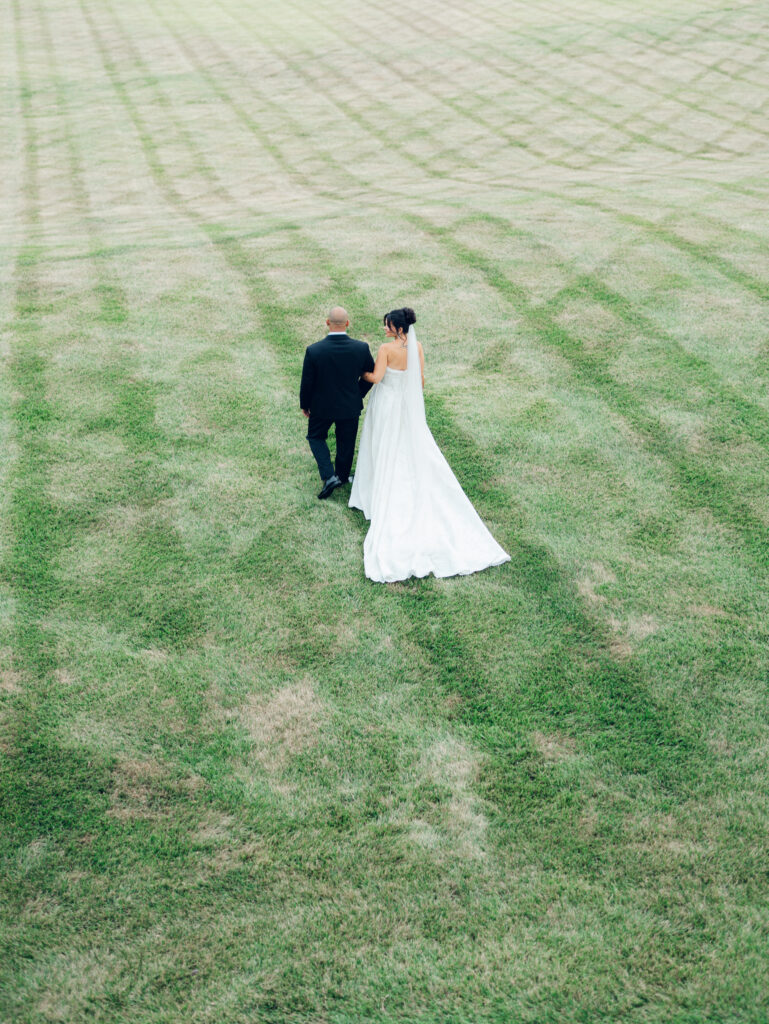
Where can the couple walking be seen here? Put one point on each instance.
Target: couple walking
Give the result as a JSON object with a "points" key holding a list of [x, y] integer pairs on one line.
{"points": [[421, 519]]}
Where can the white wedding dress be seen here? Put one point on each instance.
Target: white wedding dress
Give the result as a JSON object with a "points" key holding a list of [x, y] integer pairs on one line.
{"points": [[421, 520]]}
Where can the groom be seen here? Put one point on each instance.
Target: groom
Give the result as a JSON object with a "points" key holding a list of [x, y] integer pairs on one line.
{"points": [[331, 392]]}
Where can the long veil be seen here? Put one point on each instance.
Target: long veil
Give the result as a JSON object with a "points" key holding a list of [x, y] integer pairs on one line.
{"points": [[417, 439], [415, 402]]}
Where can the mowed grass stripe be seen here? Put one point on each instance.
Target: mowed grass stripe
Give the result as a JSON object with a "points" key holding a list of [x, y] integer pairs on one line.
{"points": [[241, 113], [113, 309], [288, 168], [677, 87], [704, 253], [553, 98], [423, 75], [66, 797], [173, 615], [148, 143], [707, 254], [152, 143], [298, 60], [699, 484], [350, 182], [695, 250], [45, 787], [656, 46], [652, 43], [54, 790], [698, 251], [62, 786], [729, 407], [35, 528], [732, 408]]}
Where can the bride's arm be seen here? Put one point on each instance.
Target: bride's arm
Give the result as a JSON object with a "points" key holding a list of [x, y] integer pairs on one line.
{"points": [[379, 367]]}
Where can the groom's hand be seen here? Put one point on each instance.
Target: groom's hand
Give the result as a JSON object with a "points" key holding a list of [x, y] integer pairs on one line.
{"points": [[306, 412]]}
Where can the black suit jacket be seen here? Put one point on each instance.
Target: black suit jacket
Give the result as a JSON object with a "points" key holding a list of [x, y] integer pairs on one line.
{"points": [[330, 377]]}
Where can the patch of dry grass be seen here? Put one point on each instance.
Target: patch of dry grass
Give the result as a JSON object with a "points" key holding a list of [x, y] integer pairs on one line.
{"points": [[285, 724]]}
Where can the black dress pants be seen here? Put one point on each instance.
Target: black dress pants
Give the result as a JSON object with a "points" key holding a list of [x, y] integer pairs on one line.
{"points": [[346, 431]]}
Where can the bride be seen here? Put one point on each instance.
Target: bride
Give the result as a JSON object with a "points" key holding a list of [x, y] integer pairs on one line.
{"points": [[421, 519]]}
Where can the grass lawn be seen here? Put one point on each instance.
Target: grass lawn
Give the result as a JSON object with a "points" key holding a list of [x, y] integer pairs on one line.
{"points": [[241, 784]]}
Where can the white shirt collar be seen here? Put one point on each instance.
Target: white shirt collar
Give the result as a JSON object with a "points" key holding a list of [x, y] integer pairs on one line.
{"points": [[337, 332]]}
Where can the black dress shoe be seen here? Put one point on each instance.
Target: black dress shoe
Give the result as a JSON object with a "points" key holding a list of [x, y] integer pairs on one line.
{"points": [[329, 486]]}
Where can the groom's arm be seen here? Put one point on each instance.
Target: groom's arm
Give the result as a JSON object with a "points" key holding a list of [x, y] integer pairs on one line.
{"points": [[305, 388], [365, 386]]}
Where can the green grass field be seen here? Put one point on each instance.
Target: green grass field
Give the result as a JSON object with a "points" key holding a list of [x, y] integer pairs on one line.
{"points": [[242, 784]]}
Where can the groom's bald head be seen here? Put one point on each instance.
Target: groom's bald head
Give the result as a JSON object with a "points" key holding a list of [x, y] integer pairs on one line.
{"points": [[338, 317]]}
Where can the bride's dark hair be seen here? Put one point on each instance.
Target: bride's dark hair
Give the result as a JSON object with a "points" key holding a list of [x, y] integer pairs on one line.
{"points": [[400, 319]]}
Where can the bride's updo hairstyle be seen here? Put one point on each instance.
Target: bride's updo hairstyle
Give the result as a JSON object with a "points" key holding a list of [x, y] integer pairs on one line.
{"points": [[400, 319]]}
